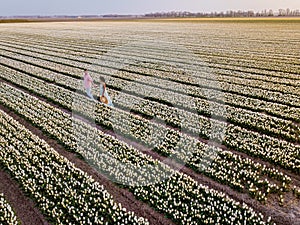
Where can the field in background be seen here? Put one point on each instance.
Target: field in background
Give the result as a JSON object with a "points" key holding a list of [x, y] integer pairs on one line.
{"points": [[205, 127]]}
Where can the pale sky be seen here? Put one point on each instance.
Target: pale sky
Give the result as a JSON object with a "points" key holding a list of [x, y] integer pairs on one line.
{"points": [[100, 7]]}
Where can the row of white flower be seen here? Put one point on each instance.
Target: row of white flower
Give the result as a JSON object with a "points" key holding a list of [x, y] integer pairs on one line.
{"points": [[296, 191], [254, 120], [119, 39], [7, 214], [35, 60], [261, 65], [280, 152], [201, 74], [67, 99], [253, 46], [179, 146], [193, 38], [231, 76], [45, 74], [155, 50], [64, 193], [158, 52], [248, 65], [168, 48], [201, 125], [211, 88], [151, 181], [209, 79], [267, 92], [230, 98], [50, 52]]}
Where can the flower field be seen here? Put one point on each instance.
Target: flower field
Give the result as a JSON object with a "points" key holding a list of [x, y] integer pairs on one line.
{"points": [[205, 127], [7, 214]]}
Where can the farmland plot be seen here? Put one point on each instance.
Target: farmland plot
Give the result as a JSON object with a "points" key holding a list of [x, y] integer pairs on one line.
{"points": [[204, 129]]}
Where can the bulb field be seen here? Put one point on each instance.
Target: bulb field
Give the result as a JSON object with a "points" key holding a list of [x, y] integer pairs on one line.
{"points": [[205, 127]]}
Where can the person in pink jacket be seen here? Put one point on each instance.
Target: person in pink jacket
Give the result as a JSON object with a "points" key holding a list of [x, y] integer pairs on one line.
{"points": [[87, 83]]}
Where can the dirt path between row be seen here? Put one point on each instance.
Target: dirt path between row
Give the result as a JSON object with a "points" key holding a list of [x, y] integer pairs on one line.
{"points": [[23, 206]]}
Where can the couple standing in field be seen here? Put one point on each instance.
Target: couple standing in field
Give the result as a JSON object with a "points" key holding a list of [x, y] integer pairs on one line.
{"points": [[88, 83]]}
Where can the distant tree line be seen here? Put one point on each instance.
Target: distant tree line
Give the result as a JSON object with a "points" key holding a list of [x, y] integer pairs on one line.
{"points": [[174, 14], [229, 13]]}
